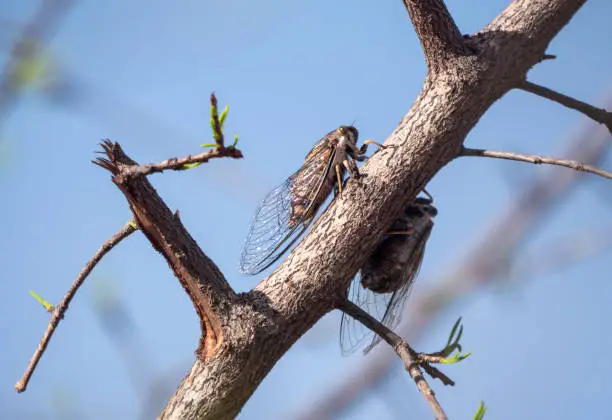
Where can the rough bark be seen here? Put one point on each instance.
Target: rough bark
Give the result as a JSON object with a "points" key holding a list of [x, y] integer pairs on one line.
{"points": [[483, 264], [466, 76]]}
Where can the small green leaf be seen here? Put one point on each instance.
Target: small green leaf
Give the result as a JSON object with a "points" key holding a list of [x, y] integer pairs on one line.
{"points": [[235, 140], [191, 165], [215, 145], [453, 331], [456, 358], [133, 224], [214, 117], [43, 302], [213, 111], [222, 116], [482, 409], [216, 135]]}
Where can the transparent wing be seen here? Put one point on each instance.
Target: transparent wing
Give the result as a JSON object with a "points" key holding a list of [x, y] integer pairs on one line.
{"points": [[352, 332], [272, 229], [395, 307], [387, 308]]}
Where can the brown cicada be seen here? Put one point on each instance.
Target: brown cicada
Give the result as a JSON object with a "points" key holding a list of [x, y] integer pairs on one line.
{"points": [[384, 281], [287, 211]]}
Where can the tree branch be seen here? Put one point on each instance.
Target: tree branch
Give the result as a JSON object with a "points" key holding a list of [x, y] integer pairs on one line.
{"points": [[596, 114], [315, 276], [535, 22], [248, 333], [439, 36], [178, 164], [403, 350], [199, 276], [57, 313], [502, 236], [537, 160]]}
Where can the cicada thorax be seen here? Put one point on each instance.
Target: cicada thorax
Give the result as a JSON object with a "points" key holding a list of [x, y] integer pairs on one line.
{"points": [[288, 210], [397, 258], [305, 201]]}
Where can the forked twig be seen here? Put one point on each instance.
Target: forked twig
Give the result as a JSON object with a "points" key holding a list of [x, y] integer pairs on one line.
{"points": [[412, 360], [535, 159], [219, 150], [57, 313], [178, 164]]}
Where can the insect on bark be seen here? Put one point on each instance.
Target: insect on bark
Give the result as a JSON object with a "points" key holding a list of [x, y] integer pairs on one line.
{"points": [[383, 283], [287, 211]]}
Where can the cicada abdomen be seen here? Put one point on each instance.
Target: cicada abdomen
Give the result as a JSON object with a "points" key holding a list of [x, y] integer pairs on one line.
{"points": [[287, 211], [384, 281]]}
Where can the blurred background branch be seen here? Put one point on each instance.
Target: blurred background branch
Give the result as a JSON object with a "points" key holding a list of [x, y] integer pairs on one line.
{"points": [[141, 72]]}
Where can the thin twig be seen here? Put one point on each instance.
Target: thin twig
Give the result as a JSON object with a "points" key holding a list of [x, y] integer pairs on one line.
{"points": [[178, 164], [62, 307], [403, 350], [596, 114], [504, 235], [538, 160]]}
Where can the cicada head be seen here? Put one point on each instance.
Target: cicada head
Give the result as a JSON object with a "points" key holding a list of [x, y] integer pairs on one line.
{"points": [[347, 136], [421, 207]]}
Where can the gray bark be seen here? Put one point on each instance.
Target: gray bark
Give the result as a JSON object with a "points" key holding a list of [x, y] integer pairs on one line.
{"points": [[247, 333]]}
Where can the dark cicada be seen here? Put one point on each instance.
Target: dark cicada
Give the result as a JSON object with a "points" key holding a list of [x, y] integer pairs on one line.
{"points": [[287, 211], [384, 281]]}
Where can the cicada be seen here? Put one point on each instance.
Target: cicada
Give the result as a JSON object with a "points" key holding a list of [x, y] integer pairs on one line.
{"points": [[289, 209], [383, 283]]}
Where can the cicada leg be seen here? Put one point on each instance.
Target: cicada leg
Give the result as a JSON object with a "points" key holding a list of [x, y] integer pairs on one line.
{"points": [[401, 232], [351, 166], [364, 146], [339, 179]]}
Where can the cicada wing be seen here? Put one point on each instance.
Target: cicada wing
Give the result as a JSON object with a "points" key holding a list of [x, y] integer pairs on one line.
{"points": [[352, 332], [272, 230], [395, 306]]}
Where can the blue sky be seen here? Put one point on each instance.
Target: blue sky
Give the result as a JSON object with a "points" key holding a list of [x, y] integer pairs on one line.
{"points": [[290, 73]]}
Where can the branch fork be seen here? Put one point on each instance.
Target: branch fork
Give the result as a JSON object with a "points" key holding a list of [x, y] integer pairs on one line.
{"points": [[429, 136]]}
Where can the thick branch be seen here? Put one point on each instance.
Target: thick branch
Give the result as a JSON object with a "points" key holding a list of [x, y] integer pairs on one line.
{"points": [[57, 313], [403, 350], [200, 277], [437, 32], [314, 277], [503, 236], [536, 22], [596, 114], [537, 160]]}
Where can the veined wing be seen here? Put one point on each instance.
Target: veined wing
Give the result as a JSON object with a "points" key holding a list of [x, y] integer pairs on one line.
{"points": [[352, 332], [395, 307], [387, 308], [287, 211]]}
